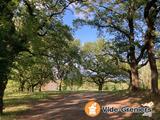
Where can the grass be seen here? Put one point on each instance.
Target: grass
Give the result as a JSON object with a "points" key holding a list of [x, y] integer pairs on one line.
{"points": [[23, 98], [19, 102]]}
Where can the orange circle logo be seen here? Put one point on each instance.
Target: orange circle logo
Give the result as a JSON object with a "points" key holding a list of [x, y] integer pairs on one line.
{"points": [[92, 109]]}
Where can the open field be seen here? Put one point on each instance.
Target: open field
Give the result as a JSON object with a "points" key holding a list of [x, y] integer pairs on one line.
{"points": [[70, 105]]}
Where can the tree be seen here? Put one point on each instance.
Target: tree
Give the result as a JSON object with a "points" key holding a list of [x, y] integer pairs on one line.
{"points": [[123, 20], [64, 60], [8, 46], [39, 74], [39, 15], [31, 71], [150, 14], [73, 78], [98, 66], [18, 73]]}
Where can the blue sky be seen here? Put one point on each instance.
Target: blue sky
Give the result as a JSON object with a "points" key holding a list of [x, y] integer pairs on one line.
{"points": [[85, 33]]}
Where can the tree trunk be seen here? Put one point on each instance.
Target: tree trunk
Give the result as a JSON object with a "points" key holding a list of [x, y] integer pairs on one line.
{"points": [[3, 83], [131, 55], [21, 87], [4, 71], [28, 89], [130, 80], [40, 88], [133, 70], [6, 55], [134, 78], [32, 88], [152, 63], [153, 67], [1, 99], [60, 85], [150, 15], [100, 87], [71, 85]]}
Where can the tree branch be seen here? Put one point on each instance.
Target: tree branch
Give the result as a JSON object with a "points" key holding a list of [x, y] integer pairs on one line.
{"points": [[148, 7], [66, 6], [30, 9], [143, 49], [142, 65], [112, 25]]}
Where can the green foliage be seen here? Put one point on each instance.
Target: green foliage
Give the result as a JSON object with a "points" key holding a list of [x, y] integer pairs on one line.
{"points": [[115, 86], [96, 60], [12, 87], [114, 17], [98, 65], [31, 71], [73, 78], [65, 60]]}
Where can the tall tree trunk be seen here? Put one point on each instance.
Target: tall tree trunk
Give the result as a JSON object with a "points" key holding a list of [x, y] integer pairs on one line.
{"points": [[3, 83], [152, 62], [150, 15], [132, 58], [2, 88], [154, 71], [1, 101], [4, 72], [8, 49]]}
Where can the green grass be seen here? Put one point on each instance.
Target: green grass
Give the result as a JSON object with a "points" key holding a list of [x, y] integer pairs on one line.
{"points": [[18, 103], [21, 98]]}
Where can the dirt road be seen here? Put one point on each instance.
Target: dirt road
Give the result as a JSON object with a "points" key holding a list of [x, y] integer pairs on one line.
{"points": [[71, 107]]}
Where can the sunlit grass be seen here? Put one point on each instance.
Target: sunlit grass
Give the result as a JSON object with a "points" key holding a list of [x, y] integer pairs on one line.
{"points": [[10, 112], [16, 108], [16, 103]]}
